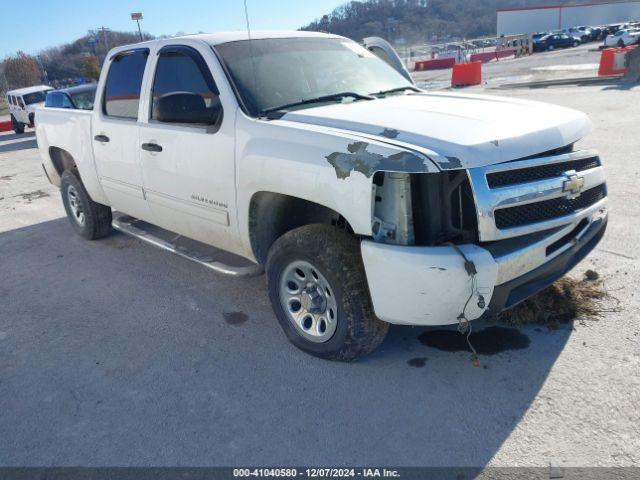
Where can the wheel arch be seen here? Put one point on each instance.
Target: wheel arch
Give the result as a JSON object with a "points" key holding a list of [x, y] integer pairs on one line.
{"points": [[271, 215], [63, 160]]}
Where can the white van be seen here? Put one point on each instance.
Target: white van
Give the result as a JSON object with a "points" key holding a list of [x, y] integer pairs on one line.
{"points": [[23, 103]]}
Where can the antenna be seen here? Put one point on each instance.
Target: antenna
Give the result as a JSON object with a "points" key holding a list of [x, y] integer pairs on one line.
{"points": [[253, 58]]}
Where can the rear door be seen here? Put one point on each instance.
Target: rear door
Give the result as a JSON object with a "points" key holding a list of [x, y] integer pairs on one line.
{"points": [[188, 163], [115, 132], [21, 110]]}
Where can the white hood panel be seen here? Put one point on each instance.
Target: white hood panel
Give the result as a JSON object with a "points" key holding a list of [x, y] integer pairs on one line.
{"points": [[465, 131]]}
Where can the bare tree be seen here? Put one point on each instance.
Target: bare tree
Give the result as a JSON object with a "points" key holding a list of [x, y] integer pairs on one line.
{"points": [[21, 71], [91, 68]]}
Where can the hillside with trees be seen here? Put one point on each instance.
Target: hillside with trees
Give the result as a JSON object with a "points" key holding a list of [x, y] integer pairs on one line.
{"points": [[420, 21], [67, 64]]}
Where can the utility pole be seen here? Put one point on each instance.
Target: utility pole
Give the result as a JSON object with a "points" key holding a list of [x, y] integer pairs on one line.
{"points": [[137, 16], [104, 31]]}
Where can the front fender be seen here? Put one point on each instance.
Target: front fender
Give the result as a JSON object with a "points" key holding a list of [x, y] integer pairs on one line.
{"points": [[326, 166]]}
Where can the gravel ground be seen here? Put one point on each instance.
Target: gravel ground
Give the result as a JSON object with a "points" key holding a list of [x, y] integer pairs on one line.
{"points": [[115, 353]]}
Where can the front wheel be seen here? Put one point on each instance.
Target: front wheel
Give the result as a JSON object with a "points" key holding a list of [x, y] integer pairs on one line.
{"points": [[89, 219], [621, 43], [550, 47], [319, 293], [16, 125], [575, 44]]}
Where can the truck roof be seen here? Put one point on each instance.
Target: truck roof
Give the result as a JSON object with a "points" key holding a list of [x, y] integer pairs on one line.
{"points": [[225, 37], [24, 91], [85, 87], [235, 36]]}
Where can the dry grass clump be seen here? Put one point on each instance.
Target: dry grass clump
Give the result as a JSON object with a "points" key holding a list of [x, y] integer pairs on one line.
{"points": [[564, 301]]}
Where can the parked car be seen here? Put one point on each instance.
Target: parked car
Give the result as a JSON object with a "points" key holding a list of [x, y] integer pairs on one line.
{"points": [[623, 38], [556, 40], [23, 103], [79, 98], [597, 33], [536, 37], [611, 30], [366, 200], [584, 33]]}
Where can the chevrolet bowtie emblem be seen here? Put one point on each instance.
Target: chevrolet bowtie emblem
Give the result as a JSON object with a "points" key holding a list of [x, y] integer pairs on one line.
{"points": [[573, 185]]}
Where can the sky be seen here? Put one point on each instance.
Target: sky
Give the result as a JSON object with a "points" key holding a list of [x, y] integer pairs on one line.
{"points": [[38, 24]]}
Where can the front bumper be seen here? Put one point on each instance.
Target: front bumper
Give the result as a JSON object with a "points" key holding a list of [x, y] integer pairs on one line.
{"points": [[430, 285], [519, 289]]}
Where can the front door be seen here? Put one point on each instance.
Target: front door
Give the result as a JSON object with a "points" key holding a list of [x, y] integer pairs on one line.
{"points": [[115, 134], [187, 149]]}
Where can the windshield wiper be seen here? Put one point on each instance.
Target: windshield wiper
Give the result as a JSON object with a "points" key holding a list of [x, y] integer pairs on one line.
{"points": [[323, 98], [399, 89]]}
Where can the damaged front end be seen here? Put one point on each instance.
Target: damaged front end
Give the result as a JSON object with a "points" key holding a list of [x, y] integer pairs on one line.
{"points": [[424, 209], [451, 246], [423, 264]]}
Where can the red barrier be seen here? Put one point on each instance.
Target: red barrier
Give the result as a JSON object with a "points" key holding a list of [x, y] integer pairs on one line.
{"points": [[612, 61], [6, 126], [483, 57], [489, 56], [437, 64], [505, 53], [465, 74]]}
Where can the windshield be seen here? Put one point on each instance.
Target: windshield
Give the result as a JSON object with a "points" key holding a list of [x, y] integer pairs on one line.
{"points": [[270, 73], [35, 97]]}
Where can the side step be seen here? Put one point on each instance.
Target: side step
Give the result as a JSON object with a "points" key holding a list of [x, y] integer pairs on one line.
{"points": [[189, 249]]}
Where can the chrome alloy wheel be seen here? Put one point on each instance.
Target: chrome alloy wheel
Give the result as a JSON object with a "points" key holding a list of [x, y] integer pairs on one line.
{"points": [[75, 205], [308, 301]]}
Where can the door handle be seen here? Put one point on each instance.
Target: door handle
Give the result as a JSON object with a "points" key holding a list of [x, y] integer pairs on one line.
{"points": [[151, 147], [101, 138]]}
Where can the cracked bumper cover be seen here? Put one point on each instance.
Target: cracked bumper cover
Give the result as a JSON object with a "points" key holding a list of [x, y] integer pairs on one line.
{"points": [[430, 286]]}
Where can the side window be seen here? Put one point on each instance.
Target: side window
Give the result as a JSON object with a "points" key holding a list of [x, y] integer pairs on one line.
{"points": [[53, 100], [183, 89], [66, 102], [124, 82], [9, 99]]}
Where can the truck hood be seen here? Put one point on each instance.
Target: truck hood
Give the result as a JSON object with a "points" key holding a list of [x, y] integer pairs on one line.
{"points": [[31, 108], [455, 130]]}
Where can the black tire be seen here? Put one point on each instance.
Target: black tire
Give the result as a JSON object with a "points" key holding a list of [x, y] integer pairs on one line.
{"points": [[96, 218], [621, 43], [550, 48], [575, 44], [17, 126], [336, 255]]}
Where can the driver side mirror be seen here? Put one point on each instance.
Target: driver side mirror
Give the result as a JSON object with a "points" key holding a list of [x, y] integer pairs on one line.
{"points": [[186, 107]]}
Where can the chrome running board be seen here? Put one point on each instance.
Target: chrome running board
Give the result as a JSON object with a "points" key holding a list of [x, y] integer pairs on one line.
{"points": [[136, 228]]}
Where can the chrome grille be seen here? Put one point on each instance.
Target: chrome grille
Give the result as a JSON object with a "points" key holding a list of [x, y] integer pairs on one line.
{"points": [[549, 209], [531, 195], [524, 175]]}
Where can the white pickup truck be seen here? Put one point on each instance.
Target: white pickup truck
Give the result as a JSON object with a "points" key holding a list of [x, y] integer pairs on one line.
{"points": [[368, 201]]}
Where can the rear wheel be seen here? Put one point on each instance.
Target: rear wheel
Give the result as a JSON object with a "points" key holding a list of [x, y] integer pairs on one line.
{"points": [[551, 47], [576, 43], [17, 126], [89, 219], [621, 43], [318, 290]]}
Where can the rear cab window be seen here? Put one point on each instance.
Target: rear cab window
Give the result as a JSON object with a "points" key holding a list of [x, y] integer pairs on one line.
{"points": [[121, 97], [58, 100]]}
